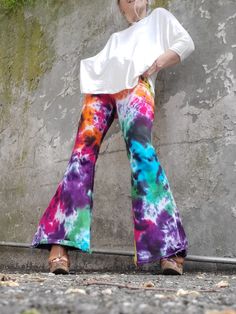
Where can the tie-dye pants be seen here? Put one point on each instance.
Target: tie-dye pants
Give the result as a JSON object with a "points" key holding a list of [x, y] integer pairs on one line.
{"points": [[158, 229]]}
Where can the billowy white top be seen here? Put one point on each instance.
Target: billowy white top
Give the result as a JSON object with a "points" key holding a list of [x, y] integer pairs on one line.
{"points": [[130, 52]]}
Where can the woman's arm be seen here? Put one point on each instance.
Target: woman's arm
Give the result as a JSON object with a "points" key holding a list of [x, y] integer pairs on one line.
{"points": [[165, 60], [176, 41]]}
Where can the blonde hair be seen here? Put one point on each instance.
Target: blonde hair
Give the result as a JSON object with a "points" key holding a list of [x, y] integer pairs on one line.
{"points": [[148, 6]]}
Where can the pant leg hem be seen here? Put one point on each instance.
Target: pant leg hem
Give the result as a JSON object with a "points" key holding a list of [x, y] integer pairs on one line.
{"points": [[72, 245], [158, 258]]}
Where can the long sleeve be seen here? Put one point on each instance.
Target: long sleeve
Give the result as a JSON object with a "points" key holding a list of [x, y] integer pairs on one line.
{"points": [[174, 35]]}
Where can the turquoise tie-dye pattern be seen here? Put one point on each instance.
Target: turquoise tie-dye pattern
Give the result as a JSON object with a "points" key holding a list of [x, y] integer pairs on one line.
{"points": [[158, 230], [148, 164]]}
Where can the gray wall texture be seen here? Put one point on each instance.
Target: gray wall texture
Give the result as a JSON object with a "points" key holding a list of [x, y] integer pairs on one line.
{"points": [[194, 129]]}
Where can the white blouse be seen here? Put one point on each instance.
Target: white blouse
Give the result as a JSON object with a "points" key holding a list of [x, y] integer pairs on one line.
{"points": [[130, 52]]}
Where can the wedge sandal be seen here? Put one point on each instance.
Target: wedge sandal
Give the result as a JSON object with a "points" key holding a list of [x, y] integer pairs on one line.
{"points": [[172, 265], [58, 260]]}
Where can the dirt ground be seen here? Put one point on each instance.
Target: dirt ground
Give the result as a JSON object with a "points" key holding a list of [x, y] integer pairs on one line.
{"points": [[117, 293]]}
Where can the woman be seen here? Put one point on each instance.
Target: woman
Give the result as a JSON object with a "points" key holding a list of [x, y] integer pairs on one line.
{"points": [[118, 83]]}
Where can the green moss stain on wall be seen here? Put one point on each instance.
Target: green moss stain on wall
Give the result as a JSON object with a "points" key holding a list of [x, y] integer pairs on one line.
{"points": [[24, 52], [9, 5], [25, 55], [160, 3], [26, 106], [27, 52]]}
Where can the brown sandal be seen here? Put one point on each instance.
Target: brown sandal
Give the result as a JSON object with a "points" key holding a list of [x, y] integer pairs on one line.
{"points": [[172, 265], [58, 260]]}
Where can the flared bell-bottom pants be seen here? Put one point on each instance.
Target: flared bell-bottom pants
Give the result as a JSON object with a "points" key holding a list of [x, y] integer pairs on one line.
{"points": [[158, 229]]}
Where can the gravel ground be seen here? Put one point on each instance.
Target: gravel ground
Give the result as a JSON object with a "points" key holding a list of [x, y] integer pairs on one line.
{"points": [[42, 293]]}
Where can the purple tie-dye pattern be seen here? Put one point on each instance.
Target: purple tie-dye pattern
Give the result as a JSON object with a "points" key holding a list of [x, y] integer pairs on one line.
{"points": [[158, 230]]}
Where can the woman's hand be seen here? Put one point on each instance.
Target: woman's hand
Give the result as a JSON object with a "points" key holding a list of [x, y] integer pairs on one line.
{"points": [[165, 60]]}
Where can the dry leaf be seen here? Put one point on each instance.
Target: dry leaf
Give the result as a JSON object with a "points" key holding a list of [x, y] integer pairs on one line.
{"points": [[9, 283], [39, 279], [182, 292], [148, 284], [31, 311], [105, 276], [107, 291], [222, 284], [75, 290], [159, 296], [225, 311], [4, 277]]}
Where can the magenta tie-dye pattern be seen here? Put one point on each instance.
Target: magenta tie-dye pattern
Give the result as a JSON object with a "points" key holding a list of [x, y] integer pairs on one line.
{"points": [[158, 230]]}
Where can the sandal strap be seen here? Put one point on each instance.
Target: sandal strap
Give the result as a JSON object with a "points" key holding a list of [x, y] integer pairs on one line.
{"points": [[177, 260], [58, 258], [62, 259], [58, 251]]}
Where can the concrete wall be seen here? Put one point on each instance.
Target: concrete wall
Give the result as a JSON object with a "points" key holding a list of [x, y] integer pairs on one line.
{"points": [[194, 132]]}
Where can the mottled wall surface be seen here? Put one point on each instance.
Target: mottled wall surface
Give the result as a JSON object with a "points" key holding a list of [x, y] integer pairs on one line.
{"points": [[194, 130]]}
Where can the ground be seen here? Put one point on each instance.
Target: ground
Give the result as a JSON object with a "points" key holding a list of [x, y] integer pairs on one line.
{"points": [[117, 293]]}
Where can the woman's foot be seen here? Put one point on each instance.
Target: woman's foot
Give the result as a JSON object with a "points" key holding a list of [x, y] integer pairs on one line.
{"points": [[172, 265], [58, 260]]}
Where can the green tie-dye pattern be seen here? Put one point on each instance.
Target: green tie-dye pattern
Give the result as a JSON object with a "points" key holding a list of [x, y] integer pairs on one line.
{"points": [[158, 230], [155, 192], [81, 225]]}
